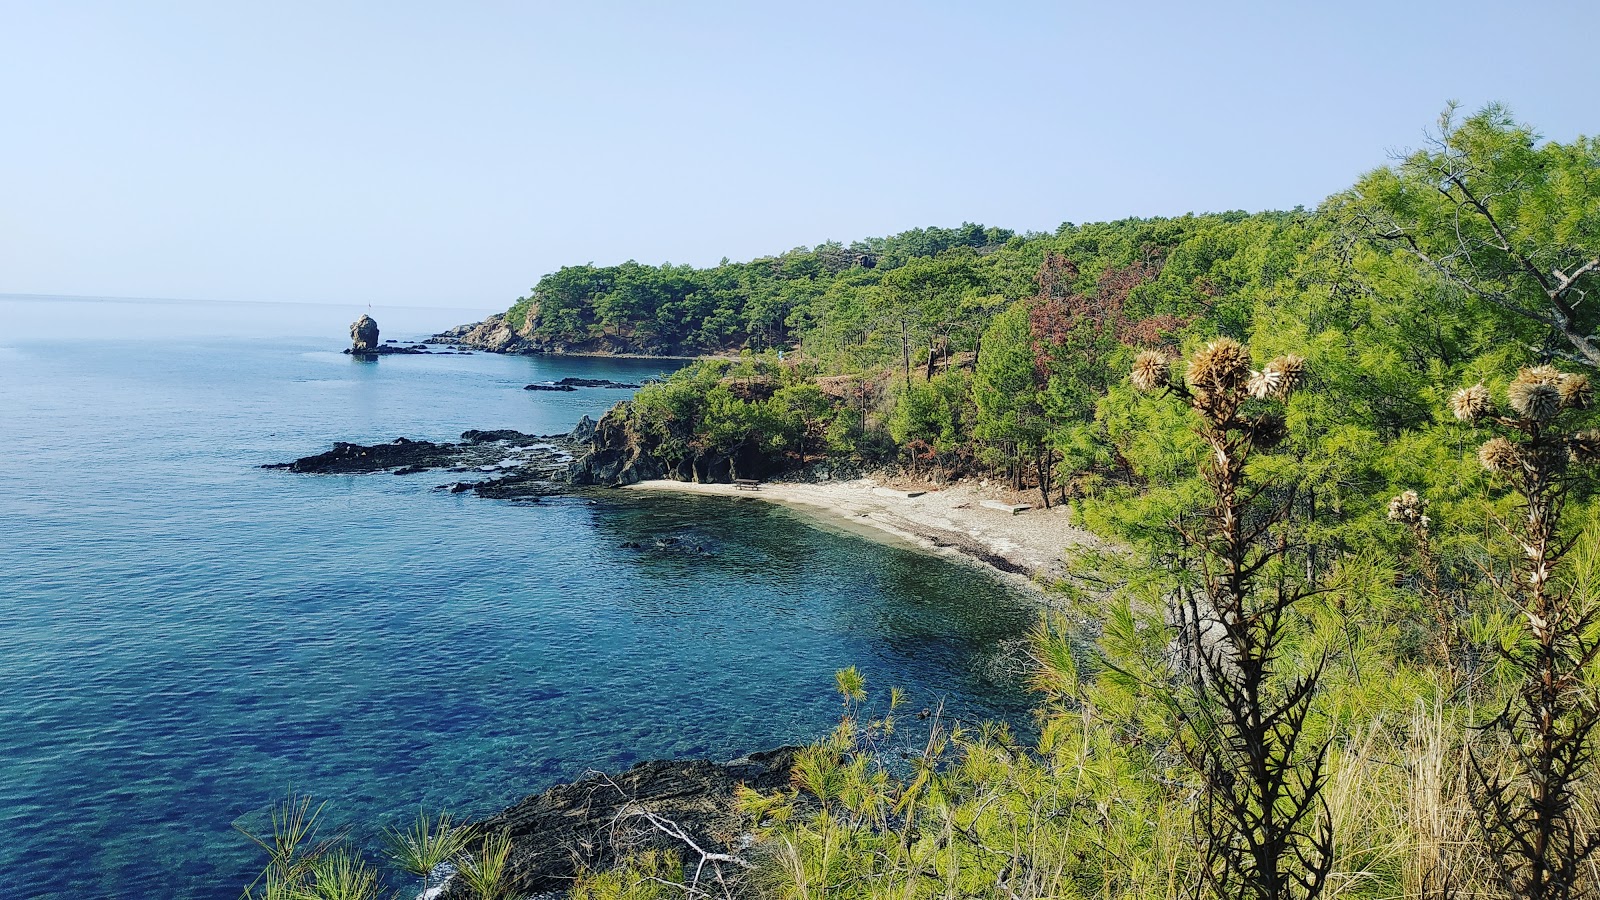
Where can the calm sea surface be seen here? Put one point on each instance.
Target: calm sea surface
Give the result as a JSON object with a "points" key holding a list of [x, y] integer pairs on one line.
{"points": [[183, 635]]}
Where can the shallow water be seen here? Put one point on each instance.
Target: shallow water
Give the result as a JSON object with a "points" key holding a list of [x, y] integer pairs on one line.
{"points": [[183, 635]]}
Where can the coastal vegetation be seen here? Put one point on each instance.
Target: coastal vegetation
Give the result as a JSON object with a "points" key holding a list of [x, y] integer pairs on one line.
{"points": [[1348, 643]]}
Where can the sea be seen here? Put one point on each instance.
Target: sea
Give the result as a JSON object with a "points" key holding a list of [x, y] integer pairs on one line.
{"points": [[186, 637]]}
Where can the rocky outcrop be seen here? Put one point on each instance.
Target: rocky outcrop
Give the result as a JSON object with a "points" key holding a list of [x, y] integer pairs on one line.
{"points": [[617, 454], [583, 433], [346, 458], [594, 823], [364, 335], [523, 466], [493, 334]]}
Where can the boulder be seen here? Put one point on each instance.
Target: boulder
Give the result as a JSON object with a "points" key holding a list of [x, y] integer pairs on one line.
{"points": [[364, 335]]}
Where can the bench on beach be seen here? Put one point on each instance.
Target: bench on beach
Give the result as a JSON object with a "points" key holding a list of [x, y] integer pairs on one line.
{"points": [[746, 484], [1012, 508]]}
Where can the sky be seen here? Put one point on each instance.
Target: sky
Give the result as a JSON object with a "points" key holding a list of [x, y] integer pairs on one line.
{"points": [[449, 154]]}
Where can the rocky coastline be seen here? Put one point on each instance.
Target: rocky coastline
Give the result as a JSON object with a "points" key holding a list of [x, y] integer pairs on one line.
{"points": [[683, 806], [517, 466], [495, 335]]}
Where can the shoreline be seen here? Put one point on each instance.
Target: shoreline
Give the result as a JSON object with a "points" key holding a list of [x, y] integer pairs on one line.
{"points": [[1025, 550]]}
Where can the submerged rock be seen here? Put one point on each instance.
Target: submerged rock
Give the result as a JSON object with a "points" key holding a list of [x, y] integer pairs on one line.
{"points": [[593, 823]]}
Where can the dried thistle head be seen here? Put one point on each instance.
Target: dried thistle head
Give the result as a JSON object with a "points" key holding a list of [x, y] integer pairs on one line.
{"points": [[1280, 378], [1151, 371], [1269, 430], [1472, 403], [1222, 365], [1499, 455], [1543, 374], [1408, 508], [1261, 385], [1534, 396], [1290, 371], [1576, 392], [1584, 447]]}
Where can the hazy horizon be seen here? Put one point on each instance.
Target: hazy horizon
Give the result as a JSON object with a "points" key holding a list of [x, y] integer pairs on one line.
{"points": [[421, 156]]}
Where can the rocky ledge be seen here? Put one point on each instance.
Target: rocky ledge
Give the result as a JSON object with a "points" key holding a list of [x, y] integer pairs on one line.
{"points": [[523, 466], [683, 806]]}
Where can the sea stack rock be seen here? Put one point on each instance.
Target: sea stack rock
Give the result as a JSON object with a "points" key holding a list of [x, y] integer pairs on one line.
{"points": [[364, 335]]}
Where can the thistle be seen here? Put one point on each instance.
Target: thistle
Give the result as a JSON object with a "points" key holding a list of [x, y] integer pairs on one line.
{"points": [[1524, 801], [1534, 396], [1151, 371], [1407, 509], [1280, 378], [1234, 683], [1471, 404], [1221, 366], [1576, 392], [1499, 455]]}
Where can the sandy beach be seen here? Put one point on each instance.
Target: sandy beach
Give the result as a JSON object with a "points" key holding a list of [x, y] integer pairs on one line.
{"points": [[1026, 548]]}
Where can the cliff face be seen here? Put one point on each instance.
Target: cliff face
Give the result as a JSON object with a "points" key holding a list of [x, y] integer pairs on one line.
{"points": [[618, 453]]}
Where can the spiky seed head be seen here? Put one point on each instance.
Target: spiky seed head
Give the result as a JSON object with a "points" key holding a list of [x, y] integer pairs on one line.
{"points": [[1533, 396], [1291, 374], [1585, 447], [1544, 374], [1408, 508], [1269, 431], [1471, 403], [1576, 392], [1222, 365], [1499, 455], [1280, 378], [1151, 371]]}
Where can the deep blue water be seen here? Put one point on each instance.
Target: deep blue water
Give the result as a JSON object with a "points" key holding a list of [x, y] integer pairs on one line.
{"points": [[184, 635]]}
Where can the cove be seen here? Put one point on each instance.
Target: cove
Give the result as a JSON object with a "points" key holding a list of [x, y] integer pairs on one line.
{"points": [[183, 635]]}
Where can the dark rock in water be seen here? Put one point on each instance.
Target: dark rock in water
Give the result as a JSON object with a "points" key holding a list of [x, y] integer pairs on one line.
{"points": [[594, 383], [583, 432], [518, 456], [388, 350], [474, 436], [571, 384], [353, 458], [593, 823], [364, 335], [520, 486]]}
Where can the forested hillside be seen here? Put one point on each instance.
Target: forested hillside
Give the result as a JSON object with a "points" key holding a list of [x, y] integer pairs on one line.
{"points": [[1348, 644]]}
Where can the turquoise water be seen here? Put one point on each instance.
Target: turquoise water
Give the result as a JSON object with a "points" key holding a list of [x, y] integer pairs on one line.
{"points": [[184, 635]]}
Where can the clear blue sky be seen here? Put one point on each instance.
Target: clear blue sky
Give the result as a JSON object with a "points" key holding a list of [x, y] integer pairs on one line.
{"points": [[451, 153]]}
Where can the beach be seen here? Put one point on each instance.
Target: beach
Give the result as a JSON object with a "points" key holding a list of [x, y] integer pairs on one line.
{"points": [[1027, 548]]}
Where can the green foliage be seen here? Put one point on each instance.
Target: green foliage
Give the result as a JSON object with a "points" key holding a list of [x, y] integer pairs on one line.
{"points": [[426, 845]]}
